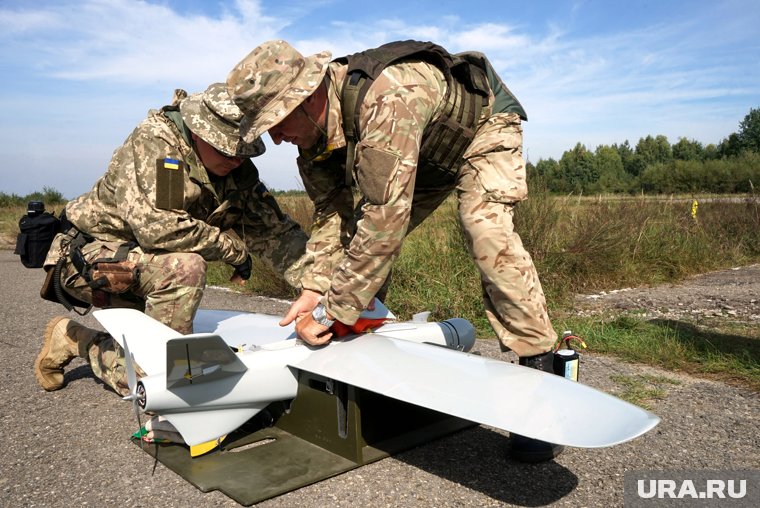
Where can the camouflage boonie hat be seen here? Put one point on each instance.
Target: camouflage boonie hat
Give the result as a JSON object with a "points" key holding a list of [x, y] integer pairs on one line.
{"points": [[214, 118], [271, 82]]}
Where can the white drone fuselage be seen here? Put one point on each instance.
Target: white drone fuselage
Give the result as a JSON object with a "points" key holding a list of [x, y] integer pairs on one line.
{"points": [[265, 375], [207, 390]]}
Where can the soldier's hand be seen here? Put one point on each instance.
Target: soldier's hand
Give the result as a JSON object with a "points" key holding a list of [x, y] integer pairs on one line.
{"points": [[304, 305], [312, 332], [243, 270]]}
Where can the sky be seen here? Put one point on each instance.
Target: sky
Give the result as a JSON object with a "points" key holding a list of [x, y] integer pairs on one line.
{"points": [[78, 76]]}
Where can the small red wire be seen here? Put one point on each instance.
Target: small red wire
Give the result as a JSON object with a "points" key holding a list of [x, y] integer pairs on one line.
{"points": [[566, 340]]}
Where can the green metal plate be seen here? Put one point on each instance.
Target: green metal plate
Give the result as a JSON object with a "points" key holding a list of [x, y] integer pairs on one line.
{"points": [[330, 428], [255, 473]]}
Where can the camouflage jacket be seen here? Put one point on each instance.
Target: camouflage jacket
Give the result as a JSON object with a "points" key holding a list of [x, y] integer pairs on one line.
{"points": [[122, 206], [347, 261]]}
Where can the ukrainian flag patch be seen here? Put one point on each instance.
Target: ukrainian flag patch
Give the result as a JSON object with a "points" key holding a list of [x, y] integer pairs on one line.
{"points": [[171, 163]]}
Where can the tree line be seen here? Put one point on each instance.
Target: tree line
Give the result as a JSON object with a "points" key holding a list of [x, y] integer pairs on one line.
{"points": [[656, 166], [653, 166], [49, 196]]}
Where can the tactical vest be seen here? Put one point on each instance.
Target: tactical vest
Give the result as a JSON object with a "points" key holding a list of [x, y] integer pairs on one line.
{"points": [[445, 140]]}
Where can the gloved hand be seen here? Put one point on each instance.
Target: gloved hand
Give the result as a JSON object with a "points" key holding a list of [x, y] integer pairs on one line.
{"points": [[243, 270]]}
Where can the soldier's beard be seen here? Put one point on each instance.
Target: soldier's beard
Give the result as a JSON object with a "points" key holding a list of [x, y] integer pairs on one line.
{"points": [[321, 145]]}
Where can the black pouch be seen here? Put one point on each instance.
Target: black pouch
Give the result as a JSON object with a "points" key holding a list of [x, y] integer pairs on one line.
{"points": [[35, 237]]}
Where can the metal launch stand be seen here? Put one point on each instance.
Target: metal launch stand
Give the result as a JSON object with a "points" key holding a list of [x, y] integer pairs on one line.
{"points": [[329, 429]]}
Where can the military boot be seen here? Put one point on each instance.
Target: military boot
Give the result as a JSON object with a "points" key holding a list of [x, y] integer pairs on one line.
{"points": [[526, 449], [63, 338]]}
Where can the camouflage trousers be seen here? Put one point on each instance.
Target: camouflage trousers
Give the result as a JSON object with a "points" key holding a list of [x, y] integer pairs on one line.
{"points": [[169, 289], [512, 293], [106, 359], [489, 184]]}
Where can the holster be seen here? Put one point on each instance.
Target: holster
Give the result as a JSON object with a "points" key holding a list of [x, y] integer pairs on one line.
{"points": [[115, 277], [48, 292], [104, 276]]}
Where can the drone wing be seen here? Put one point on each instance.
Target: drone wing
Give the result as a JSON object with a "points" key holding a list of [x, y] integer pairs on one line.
{"points": [[147, 337], [503, 395]]}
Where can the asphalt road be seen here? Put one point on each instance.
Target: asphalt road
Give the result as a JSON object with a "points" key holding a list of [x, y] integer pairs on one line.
{"points": [[71, 448]]}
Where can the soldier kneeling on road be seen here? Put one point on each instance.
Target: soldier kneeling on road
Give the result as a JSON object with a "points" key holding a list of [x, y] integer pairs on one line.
{"points": [[181, 191]]}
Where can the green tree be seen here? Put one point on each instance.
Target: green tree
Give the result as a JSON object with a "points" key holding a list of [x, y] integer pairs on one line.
{"points": [[747, 172], [547, 167], [711, 152], [672, 177], [749, 131], [688, 150], [530, 170], [578, 169], [547, 171], [631, 164], [731, 146], [654, 150], [609, 167]]}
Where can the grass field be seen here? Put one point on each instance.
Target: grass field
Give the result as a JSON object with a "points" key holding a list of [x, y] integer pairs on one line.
{"points": [[590, 244], [722, 350], [579, 245]]}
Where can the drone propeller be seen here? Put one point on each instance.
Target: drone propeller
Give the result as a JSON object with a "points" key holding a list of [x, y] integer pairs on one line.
{"points": [[135, 394]]}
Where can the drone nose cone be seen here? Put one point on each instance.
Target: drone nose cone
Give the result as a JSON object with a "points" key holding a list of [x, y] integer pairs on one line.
{"points": [[459, 333]]}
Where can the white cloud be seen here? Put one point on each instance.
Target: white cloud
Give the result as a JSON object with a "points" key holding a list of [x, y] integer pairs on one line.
{"points": [[90, 70], [490, 37], [135, 42]]}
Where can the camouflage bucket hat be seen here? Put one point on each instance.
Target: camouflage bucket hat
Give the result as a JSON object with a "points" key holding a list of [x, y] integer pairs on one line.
{"points": [[214, 118], [271, 82]]}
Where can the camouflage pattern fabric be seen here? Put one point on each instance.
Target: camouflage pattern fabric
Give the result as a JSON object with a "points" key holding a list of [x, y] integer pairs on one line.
{"points": [[213, 117], [249, 211], [122, 206], [261, 91], [221, 218], [169, 289], [491, 181], [405, 98], [106, 358]]}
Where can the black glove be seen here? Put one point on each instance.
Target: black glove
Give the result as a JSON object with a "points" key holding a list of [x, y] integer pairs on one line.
{"points": [[244, 268]]}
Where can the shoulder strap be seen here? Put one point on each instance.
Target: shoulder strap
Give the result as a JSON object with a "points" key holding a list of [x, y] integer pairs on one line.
{"points": [[364, 67], [352, 89], [504, 99], [173, 114]]}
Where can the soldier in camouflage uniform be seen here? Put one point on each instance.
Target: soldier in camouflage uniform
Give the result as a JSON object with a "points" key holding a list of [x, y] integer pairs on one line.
{"points": [[299, 100], [181, 191]]}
